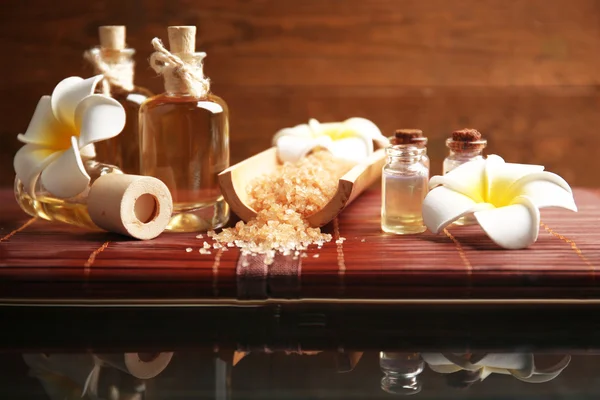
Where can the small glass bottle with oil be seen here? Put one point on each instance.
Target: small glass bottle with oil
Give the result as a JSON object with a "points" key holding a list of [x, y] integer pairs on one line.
{"points": [[73, 211], [463, 146], [115, 61], [132, 205], [405, 181], [184, 141]]}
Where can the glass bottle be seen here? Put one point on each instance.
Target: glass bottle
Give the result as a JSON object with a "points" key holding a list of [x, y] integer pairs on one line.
{"points": [[72, 211], [465, 145], [405, 181], [114, 58], [131, 205], [401, 372], [184, 141], [412, 136]]}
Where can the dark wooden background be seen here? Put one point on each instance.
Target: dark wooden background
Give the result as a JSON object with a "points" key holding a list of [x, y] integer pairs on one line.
{"points": [[524, 72]]}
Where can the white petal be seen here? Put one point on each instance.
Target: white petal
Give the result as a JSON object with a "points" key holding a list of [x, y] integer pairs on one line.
{"points": [[501, 175], [513, 227], [317, 128], [367, 128], [468, 179], [67, 95], [351, 149], [442, 206], [97, 118], [29, 162], [293, 148], [88, 151], [65, 177], [45, 130], [302, 130], [545, 189]]}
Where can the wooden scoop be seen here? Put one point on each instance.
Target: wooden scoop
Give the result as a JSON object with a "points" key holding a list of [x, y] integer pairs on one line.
{"points": [[235, 179]]}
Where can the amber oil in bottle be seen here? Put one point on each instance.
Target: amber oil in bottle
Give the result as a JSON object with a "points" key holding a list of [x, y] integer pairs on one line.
{"points": [[184, 141], [115, 61], [73, 211]]}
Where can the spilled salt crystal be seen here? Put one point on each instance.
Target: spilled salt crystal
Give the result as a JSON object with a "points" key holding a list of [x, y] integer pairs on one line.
{"points": [[188, 250]]}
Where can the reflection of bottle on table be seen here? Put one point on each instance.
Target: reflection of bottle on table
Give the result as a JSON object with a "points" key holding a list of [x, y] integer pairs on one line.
{"points": [[401, 372]]}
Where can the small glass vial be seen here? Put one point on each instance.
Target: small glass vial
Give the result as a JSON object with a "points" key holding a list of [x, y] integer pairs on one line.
{"points": [[184, 142], [401, 372], [405, 181], [412, 136], [115, 61], [465, 145]]}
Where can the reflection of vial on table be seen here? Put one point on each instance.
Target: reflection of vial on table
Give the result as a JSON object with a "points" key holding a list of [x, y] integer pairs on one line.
{"points": [[405, 181], [401, 372], [465, 145]]}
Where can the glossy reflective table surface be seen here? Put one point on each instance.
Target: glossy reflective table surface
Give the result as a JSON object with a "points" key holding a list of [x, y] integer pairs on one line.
{"points": [[318, 351]]}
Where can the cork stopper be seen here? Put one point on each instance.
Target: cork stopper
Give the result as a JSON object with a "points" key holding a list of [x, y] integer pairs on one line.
{"points": [[408, 136], [182, 39], [467, 139], [112, 37], [466, 135], [136, 206]]}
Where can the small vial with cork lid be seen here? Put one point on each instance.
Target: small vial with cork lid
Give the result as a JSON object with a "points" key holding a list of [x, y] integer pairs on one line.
{"points": [[405, 179], [115, 61], [184, 135], [464, 145], [414, 136]]}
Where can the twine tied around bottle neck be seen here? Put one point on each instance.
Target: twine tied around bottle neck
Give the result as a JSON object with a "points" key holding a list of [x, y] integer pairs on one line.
{"points": [[116, 75], [180, 76]]}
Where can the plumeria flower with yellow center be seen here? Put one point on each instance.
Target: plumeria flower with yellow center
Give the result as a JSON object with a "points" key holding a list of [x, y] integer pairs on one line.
{"points": [[504, 199], [61, 134], [352, 139]]}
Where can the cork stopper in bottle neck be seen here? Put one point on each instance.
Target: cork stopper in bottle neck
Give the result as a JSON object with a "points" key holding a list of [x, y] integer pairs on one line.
{"points": [[408, 136], [182, 39], [466, 140], [112, 37]]}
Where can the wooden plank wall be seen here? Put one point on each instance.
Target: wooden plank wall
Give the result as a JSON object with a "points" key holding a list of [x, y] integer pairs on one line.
{"points": [[524, 72]]}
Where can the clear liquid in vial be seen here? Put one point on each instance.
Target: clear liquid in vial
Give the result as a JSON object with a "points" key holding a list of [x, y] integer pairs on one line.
{"points": [[403, 199]]}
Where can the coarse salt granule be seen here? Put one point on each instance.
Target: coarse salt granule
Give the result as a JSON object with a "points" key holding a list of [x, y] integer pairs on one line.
{"points": [[283, 200], [188, 250]]}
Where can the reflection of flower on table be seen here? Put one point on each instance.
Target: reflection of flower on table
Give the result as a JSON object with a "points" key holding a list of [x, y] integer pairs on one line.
{"points": [[463, 370]]}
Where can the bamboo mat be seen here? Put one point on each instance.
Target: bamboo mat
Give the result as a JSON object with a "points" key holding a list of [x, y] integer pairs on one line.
{"points": [[51, 262]]}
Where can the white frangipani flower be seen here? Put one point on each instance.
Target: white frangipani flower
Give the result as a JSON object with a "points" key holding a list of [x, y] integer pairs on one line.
{"points": [[504, 198], [351, 139], [62, 130]]}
